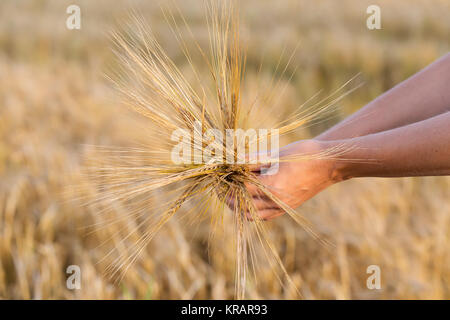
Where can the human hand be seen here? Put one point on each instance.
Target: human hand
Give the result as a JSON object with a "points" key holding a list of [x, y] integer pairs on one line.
{"points": [[296, 180]]}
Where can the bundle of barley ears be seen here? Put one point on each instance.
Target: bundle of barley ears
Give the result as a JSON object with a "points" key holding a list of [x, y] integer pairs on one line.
{"points": [[154, 86]]}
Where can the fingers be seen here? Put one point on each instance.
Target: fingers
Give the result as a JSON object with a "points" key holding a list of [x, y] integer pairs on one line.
{"points": [[254, 190], [265, 208], [266, 213], [264, 204], [271, 213], [255, 168], [260, 202]]}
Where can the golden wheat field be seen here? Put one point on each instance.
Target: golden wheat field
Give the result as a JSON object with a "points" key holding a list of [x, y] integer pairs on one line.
{"points": [[55, 102]]}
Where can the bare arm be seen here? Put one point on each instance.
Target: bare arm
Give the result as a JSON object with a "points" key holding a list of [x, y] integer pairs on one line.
{"points": [[404, 132], [418, 149], [420, 97]]}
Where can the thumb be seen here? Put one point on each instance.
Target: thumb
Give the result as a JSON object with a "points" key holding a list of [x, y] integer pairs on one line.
{"points": [[262, 162]]}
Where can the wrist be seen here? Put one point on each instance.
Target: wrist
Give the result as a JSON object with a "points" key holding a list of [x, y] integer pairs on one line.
{"points": [[332, 164], [339, 169]]}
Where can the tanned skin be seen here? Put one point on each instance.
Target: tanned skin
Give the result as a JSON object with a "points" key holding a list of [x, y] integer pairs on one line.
{"points": [[404, 132]]}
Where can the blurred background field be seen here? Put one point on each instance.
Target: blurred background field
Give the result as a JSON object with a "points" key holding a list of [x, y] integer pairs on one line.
{"points": [[54, 99]]}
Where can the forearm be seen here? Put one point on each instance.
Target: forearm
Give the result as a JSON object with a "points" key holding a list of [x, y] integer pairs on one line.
{"points": [[418, 149], [310, 166], [420, 97]]}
